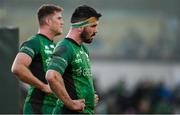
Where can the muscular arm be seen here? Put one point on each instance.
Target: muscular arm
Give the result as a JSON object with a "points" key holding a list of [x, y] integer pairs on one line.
{"points": [[57, 85], [20, 69]]}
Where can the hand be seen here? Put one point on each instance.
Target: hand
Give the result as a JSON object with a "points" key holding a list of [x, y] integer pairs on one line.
{"points": [[78, 105], [96, 99], [47, 89]]}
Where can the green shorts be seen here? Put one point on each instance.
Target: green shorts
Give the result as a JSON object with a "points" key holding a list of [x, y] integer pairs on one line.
{"points": [[37, 108], [61, 109]]}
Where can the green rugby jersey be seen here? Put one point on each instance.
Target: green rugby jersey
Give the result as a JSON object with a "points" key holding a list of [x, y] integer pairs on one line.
{"points": [[72, 62], [40, 49]]}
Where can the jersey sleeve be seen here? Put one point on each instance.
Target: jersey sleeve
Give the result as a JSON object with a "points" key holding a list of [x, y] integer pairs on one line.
{"points": [[60, 59], [30, 47]]}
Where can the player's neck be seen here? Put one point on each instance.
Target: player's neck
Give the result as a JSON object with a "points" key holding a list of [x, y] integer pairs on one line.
{"points": [[74, 34], [47, 33]]}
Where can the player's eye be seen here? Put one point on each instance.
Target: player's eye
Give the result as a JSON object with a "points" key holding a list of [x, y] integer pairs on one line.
{"points": [[94, 25], [59, 18]]}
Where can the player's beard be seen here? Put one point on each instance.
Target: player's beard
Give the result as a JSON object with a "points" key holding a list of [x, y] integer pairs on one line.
{"points": [[58, 33], [86, 37]]}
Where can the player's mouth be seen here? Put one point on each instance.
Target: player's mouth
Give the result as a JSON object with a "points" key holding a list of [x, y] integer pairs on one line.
{"points": [[93, 35]]}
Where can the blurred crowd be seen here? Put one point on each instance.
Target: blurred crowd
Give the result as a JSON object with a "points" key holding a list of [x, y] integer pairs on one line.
{"points": [[147, 97]]}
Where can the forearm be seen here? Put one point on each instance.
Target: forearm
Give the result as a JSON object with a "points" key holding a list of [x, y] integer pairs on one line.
{"points": [[25, 75], [57, 85], [20, 68]]}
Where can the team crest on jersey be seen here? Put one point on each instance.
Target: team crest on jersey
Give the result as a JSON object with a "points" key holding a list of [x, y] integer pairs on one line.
{"points": [[78, 58], [52, 46], [80, 55], [48, 49]]}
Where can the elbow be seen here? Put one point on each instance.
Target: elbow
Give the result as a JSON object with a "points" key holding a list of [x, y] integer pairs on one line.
{"points": [[50, 77], [15, 69]]}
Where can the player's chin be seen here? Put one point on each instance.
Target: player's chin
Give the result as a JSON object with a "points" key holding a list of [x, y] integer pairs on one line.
{"points": [[59, 33], [90, 41]]}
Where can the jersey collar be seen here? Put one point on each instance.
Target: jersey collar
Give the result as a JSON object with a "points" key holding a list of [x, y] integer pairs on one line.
{"points": [[44, 37], [73, 41]]}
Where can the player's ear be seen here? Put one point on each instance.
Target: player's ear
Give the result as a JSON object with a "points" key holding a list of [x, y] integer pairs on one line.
{"points": [[48, 20]]}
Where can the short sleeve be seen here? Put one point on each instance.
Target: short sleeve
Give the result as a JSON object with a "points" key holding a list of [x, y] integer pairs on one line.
{"points": [[60, 59], [30, 47]]}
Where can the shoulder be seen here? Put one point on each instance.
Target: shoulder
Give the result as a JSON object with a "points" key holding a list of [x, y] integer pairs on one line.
{"points": [[31, 46], [32, 42], [63, 51], [62, 47]]}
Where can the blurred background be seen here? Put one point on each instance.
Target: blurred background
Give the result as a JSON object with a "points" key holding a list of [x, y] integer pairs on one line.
{"points": [[135, 55]]}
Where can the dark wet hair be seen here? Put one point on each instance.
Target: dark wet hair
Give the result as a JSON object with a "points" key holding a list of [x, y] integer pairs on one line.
{"points": [[45, 10], [84, 12]]}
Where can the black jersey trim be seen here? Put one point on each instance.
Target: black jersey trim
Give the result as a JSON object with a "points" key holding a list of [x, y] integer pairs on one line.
{"points": [[73, 41], [37, 107], [45, 37]]}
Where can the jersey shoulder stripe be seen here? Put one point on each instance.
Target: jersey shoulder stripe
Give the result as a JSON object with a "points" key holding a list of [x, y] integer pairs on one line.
{"points": [[31, 47]]}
